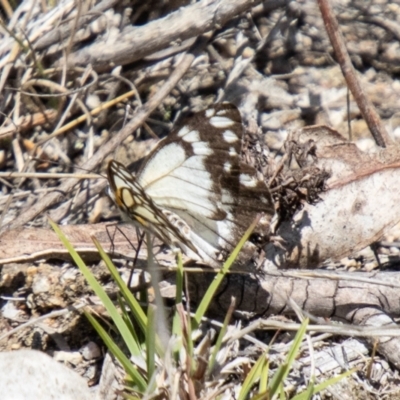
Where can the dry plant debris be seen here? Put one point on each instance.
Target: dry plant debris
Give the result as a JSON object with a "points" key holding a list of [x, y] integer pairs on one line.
{"points": [[83, 82]]}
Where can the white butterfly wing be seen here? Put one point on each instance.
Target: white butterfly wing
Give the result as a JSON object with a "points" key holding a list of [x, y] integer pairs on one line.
{"points": [[196, 174], [176, 182]]}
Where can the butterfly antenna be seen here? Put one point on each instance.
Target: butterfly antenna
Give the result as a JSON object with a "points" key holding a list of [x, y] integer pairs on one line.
{"points": [[56, 164], [140, 236], [111, 237]]}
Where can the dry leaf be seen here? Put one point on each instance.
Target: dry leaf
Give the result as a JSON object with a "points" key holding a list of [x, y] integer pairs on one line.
{"points": [[361, 202]]}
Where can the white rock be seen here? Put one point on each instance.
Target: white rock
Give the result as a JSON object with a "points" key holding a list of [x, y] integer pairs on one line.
{"points": [[31, 374], [41, 285], [92, 101], [10, 311], [90, 351], [72, 357]]}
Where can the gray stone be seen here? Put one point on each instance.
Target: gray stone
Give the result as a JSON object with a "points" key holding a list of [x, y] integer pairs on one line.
{"points": [[31, 375]]}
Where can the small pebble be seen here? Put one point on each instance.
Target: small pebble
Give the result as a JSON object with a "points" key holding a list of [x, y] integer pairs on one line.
{"points": [[248, 52], [92, 101], [370, 266], [41, 285], [90, 351]]}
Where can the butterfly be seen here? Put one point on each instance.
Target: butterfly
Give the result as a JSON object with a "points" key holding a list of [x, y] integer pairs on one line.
{"points": [[192, 191]]}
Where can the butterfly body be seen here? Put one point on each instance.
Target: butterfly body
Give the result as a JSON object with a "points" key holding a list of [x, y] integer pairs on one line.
{"points": [[193, 191]]}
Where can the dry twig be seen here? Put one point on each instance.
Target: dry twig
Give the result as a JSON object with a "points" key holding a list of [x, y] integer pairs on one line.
{"points": [[367, 109]]}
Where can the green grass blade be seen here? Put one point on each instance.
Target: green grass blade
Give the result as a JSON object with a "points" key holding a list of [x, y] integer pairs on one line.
{"points": [[117, 352], [136, 309], [261, 396], [308, 393], [133, 346], [264, 378], [282, 391], [126, 317], [221, 335], [176, 323], [204, 304], [252, 377], [130, 397], [324, 385], [284, 369], [278, 378], [298, 339]]}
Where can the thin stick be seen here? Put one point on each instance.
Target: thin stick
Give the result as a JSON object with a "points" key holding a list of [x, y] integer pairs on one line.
{"points": [[47, 175], [366, 107]]}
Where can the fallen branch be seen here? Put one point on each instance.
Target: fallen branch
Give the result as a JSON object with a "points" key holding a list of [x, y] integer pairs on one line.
{"points": [[360, 303], [135, 43]]}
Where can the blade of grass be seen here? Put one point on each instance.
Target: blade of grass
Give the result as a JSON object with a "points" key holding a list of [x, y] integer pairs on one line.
{"points": [[126, 317], [284, 369], [136, 310], [117, 352], [133, 347], [133, 304], [176, 323], [252, 377], [264, 378], [204, 304], [261, 396], [308, 393], [130, 397], [282, 391], [221, 335], [324, 385]]}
